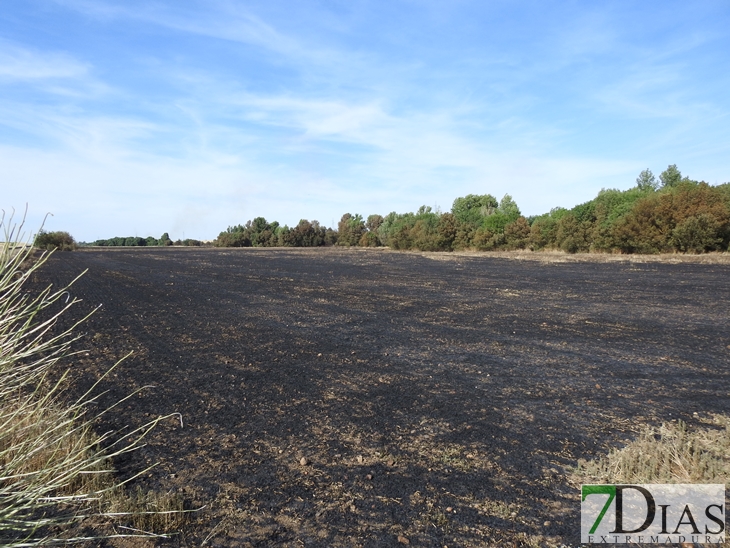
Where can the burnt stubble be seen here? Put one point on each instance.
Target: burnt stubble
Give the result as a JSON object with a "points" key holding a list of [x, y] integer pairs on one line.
{"points": [[337, 397]]}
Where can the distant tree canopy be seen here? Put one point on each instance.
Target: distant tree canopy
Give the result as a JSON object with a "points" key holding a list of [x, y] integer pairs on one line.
{"points": [[680, 215], [135, 241], [261, 233], [669, 214]]}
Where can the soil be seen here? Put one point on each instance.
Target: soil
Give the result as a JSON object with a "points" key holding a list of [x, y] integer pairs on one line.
{"points": [[336, 397]]}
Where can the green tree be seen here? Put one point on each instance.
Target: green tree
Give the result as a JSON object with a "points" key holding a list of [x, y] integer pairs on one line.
{"points": [[508, 208], [305, 234], [374, 222], [399, 230], [544, 229], [670, 177], [646, 180], [134, 241], [350, 229], [473, 207]]}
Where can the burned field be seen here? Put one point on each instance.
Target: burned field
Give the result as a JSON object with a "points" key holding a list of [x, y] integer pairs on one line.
{"points": [[370, 398]]}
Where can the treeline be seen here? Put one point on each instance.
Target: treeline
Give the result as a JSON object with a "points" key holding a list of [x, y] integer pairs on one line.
{"points": [[261, 233], [135, 241], [673, 214], [668, 214]]}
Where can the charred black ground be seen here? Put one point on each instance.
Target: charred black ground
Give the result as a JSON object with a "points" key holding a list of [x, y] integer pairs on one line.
{"points": [[371, 398]]}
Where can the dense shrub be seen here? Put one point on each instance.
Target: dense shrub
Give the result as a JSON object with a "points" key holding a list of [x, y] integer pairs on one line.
{"points": [[661, 221], [485, 239], [573, 235], [424, 233], [369, 239], [697, 234], [54, 240], [330, 237], [447, 230], [543, 231], [517, 234]]}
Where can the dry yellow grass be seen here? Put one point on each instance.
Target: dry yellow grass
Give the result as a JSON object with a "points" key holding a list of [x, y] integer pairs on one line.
{"points": [[54, 470], [671, 453]]}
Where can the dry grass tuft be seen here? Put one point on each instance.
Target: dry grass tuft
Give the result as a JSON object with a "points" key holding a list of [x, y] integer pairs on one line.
{"points": [[670, 454], [54, 470]]}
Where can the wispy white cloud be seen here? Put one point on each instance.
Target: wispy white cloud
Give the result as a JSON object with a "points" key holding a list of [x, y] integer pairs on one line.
{"points": [[18, 64], [285, 116], [72, 129], [218, 19]]}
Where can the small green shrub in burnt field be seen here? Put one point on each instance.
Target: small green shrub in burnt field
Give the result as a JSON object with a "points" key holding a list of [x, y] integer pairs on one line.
{"points": [[54, 240]]}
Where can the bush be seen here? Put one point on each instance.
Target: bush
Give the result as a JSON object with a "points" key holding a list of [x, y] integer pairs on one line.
{"points": [[447, 228], [54, 240], [697, 234], [573, 235], [484, 239], [424, 233], [369, 239], [543, 233], [517, 234]]}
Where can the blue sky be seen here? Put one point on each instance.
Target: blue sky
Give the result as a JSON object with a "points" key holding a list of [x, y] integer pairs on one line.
{"points": [[143, 117]]}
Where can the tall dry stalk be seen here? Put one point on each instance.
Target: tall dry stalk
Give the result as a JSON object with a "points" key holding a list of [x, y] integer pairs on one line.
{"points": [[54, 470]]}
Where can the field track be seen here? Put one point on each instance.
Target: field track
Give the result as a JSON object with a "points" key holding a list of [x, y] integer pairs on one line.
{"points": [[333, 395]]}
